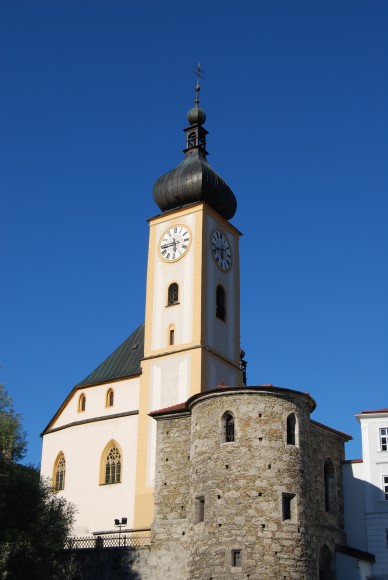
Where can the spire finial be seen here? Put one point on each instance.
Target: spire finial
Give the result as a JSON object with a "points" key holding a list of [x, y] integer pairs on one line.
{"points": [[199, 74]]}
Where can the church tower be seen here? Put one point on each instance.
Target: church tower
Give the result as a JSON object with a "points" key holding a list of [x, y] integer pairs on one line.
{"points": [[192, 320]]}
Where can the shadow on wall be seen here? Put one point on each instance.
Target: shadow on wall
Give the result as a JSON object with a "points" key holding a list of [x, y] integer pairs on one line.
{"points": [[360, 497], [94, 564]]}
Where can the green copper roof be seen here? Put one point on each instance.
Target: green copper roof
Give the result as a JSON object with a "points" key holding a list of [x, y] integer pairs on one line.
{"points": [[123, 362]]}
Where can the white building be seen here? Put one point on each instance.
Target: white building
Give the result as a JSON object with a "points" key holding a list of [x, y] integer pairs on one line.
{"points": [[366, 493]]}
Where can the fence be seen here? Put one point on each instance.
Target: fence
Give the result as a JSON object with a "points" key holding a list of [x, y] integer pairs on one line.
{"points": [[100, 542]]}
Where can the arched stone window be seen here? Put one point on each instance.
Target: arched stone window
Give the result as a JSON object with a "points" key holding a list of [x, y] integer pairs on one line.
{"points": [[330, 487], [220, 303], [59, 472], [111, 464], [291, 429], [228, 427], [173, 294], [81, 403], [109, 398]]}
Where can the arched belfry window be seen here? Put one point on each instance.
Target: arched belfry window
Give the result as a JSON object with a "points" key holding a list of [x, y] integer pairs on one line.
{"points": [[330, 487], [228, 427], [291, 429], [173, 294], [192, 139], [59, 472], [109, 398], [81, 403], [111, 464], [220, 303]]}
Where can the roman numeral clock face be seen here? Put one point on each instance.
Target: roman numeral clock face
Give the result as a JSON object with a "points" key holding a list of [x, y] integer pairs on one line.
{"points": [[174, 243], [221, 251]]}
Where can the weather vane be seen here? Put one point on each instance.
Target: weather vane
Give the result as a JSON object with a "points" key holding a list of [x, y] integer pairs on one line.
{"points": [[199, 74]]}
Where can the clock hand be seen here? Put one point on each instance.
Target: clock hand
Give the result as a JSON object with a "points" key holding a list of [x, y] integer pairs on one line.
{"points": [[220, 250], [168, 245]]}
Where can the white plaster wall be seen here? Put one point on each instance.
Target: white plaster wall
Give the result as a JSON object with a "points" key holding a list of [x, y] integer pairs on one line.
{"points": [[126, 398], [220, 334], [377, 543], [83, 445], [169, 381], [375, 460], [221, 373], [376, 507], [169, 385], [354, 505], [348, 568], [181, 272]]}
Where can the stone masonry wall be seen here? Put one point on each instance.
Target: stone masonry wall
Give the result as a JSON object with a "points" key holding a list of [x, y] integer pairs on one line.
{"points": [[241, 487], [168, 556]]}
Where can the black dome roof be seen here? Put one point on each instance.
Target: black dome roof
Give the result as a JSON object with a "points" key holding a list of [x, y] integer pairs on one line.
{"points": [[193, 180]]}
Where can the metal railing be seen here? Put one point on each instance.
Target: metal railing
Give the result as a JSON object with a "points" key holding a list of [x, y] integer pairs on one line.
{"points": [[100, 542]]}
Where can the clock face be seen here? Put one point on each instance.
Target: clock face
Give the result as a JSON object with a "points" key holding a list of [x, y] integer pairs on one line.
{"points": [[221, 250], [174, 243]]}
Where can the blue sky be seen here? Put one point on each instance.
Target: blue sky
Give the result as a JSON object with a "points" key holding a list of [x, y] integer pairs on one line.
{"points": [[93, 101]]}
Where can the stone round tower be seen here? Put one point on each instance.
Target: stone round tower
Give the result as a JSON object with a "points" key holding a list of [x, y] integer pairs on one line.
{"points": [[242, 486]]}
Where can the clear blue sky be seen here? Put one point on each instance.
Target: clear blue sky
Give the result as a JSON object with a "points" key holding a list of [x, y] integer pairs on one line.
{"points": [[93, 101]]}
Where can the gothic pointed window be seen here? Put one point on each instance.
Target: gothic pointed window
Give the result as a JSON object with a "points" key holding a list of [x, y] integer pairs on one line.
{"points": [[220, 303], [59, 472], [173, 294], [111, 464], [81, 403]]}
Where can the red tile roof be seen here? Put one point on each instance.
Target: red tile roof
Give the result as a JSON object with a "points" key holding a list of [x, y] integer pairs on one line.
{"points": [[177, 407], [378, 411]]}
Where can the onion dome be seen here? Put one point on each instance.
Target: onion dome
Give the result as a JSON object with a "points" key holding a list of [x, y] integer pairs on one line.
{"points": [[193, 180]]}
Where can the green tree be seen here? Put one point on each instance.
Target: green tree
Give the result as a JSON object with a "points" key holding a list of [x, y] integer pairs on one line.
{"points": [[12, 437], [34, 520]]}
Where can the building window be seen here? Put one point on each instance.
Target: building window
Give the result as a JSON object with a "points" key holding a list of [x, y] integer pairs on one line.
{"points": [[385, 487], [291, 429], [109, 398], [384, 439], [59, 473], [288, 507], [81, 403], [171, 336], [173, 294], [220, 303], [330, 487], [191, 140], [199, 509], [228, 427], [236, 558], [112, 464]]}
